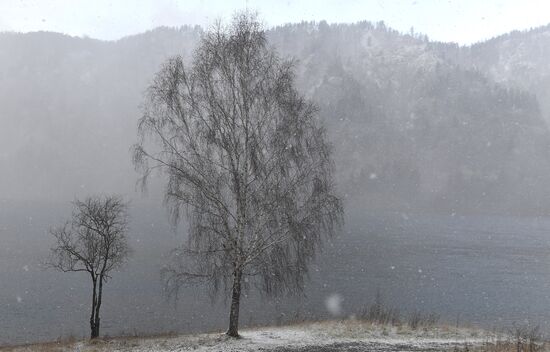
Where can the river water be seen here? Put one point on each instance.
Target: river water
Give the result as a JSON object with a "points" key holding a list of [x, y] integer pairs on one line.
{"points": [[488, 271]]}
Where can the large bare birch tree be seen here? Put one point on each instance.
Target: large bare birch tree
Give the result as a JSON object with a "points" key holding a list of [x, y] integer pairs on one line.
{"points": [[94, 242], [246, 159]]}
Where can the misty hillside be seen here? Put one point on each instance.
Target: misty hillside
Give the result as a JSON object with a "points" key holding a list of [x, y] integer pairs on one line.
{"points": [[517, 59], [415, 124], [407, 123], [69, 107]]}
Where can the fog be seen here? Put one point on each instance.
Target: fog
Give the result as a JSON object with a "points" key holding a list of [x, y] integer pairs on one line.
{"points": [[413, 123], [421, 130]]}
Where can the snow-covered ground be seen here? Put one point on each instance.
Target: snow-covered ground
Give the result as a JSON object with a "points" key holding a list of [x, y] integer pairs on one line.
{"points": [[349, 335]]}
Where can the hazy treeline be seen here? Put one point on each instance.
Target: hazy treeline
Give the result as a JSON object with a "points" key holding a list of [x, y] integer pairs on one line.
{"points": [[415, 124]]}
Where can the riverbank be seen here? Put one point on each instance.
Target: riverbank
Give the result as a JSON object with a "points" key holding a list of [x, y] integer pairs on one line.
{"points": [[348, 335]]}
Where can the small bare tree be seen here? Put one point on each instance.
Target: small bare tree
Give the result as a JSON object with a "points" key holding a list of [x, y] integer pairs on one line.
{"points": [[246, 155], [94, 242]]}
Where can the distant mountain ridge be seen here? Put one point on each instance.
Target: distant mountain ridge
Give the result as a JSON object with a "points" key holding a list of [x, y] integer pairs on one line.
{"points": [[415, 124], [517, 59]]}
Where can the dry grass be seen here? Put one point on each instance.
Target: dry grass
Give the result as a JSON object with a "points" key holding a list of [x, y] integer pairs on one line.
{"points": [[520, 338], [334, 330], [45, 347], [379, 313], [504, 346], [70, 343]]}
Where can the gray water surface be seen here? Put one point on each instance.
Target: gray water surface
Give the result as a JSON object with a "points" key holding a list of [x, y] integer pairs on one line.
{"points": [[489, 271]]}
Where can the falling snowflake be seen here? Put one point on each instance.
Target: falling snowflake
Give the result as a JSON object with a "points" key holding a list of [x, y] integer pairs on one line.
{"points": [[333, 304]]}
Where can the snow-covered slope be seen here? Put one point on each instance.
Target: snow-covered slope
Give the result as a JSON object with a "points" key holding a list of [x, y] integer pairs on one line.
{"points": [[349, 335]]}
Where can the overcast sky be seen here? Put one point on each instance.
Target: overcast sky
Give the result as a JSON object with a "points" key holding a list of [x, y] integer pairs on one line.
{"points": [[462, 21]]}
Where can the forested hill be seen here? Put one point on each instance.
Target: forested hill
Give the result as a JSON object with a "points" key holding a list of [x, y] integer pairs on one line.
{"points": [[415, 124], [518, 59]]}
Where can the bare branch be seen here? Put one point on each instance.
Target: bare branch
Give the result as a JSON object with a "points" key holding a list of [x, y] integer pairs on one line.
{"points": [[246, 156]]}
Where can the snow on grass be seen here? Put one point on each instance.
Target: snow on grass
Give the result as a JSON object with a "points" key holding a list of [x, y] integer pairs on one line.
{"points": [[286, 338]]}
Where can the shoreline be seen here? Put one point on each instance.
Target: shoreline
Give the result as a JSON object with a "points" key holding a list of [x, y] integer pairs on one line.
{"points": [[331, 335]]}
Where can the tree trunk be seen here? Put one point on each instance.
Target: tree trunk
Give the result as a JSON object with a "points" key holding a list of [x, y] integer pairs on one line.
{"points": [[97, 306], [93, 318], [233, 330], [95, 329]]}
